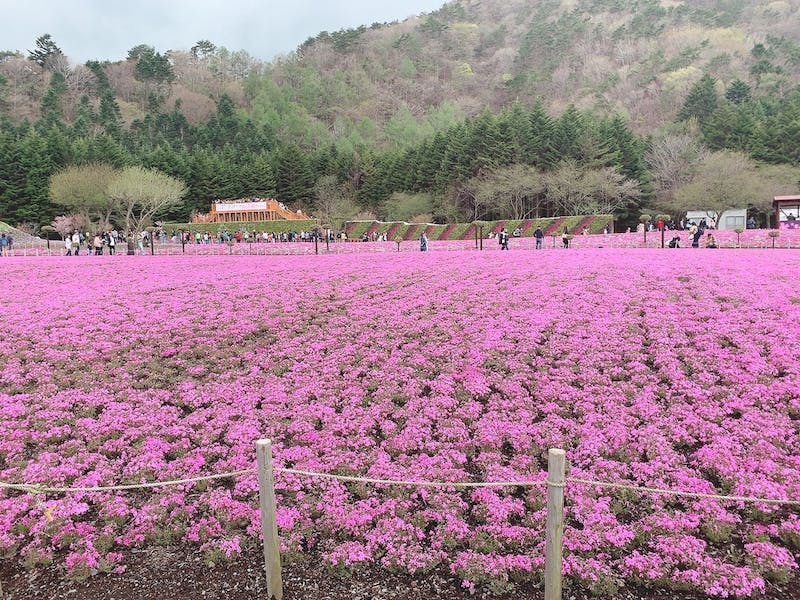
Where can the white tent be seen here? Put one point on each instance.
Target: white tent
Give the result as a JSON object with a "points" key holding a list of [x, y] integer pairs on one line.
{"points": [[730, 219]]}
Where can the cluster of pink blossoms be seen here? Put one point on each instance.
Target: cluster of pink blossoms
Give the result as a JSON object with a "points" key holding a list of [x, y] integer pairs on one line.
{"points": [[649, 367]]}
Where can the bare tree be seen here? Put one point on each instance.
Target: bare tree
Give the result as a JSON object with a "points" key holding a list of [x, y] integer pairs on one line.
{"points": [[576, 191], [332, 199], [80, 82], [728, 180], [24, 80], [674, 161], [564, 188], [516, 192], [609, 191]]}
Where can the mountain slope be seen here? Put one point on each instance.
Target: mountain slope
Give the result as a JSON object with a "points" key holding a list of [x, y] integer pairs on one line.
{"points": [[394, 84], [635, 58]]}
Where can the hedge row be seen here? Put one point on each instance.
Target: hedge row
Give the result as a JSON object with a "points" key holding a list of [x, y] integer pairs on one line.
{"points": [[358, 228]]}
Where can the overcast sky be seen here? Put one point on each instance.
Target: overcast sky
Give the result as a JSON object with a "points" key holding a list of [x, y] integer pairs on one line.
{"points": [[107, 29]]}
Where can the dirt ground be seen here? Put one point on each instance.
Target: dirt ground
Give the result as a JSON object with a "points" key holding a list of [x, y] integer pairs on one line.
{"points": [[177, 574]]}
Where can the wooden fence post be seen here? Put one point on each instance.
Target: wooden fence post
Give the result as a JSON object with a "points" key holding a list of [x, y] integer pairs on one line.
{"points": [[269, 525], [556, 460]]}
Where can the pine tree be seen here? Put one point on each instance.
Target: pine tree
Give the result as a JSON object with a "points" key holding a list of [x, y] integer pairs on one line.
{"points": [[293, 181], [84, 118], [36, 166], [627, 149], [456, 162], [730, 127], [207, 182], [12, 178], [428, 161], [51, 109], [110, 116], [46, 51], [259, 177], [539, 146], [515, 127], [701, 101], [738, 92], [566, 134]]}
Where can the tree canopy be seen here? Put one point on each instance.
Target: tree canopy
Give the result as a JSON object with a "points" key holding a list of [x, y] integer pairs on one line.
{"points": [[141, 194], [84, 189]]}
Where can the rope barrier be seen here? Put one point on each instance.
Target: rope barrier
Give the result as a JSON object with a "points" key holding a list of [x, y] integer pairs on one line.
{"points": [[42, 489], [35, 488], [400, 482], [681, 493]]}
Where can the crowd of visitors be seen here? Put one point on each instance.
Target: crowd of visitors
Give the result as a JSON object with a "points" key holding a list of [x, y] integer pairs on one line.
{"points": [[83, 242]]}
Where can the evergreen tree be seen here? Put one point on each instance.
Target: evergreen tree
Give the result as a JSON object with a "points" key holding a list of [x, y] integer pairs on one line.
{"points": [[207, 181], [777, 138], [168, 160], [97, 70], [701, 101], [35, 165], [84, 118], [485, 145], [738, 92], [456, 162], [59, 147], [46, 51], [539, 146], [258, 177], [428, 161], [110, 116], [730, 127], [566, 134], [151, 66], [101, 148], [293, 180], [515, 127], [627, 149], [51, 109], [12, 179]]}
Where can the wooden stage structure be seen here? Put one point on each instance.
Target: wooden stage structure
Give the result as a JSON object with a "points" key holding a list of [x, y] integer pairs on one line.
{"points": [[248, 210]]}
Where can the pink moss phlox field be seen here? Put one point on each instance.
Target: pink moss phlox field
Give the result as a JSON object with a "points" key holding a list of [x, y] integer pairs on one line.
{"points": [[649, 367]]}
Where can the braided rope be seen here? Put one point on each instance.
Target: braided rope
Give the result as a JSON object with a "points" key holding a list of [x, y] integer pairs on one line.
{"points": [[42, 489], [654, 490], [35, 488], [400, 482]]}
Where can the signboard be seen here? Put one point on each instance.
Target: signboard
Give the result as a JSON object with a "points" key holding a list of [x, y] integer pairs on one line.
{"points": [[240, 206]]}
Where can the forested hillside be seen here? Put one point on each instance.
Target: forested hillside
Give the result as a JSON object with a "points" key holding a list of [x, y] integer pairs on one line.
{"points": [[483, 109]]}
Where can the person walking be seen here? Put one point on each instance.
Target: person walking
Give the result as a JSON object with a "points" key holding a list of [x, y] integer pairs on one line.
{"points": [[502, 239], [3, 244], [565, 238], [539, 235], [76, 243], [423, 242]]}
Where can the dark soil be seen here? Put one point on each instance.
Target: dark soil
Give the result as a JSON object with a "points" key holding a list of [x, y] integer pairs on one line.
{"points": [[177, 574]]}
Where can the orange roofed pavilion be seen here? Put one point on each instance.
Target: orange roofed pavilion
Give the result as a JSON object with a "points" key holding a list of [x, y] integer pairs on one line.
{"points": [[248, 210]]}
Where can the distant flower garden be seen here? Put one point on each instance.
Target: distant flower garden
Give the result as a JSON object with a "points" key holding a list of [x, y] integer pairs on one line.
{"points": [[646, 368]]}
